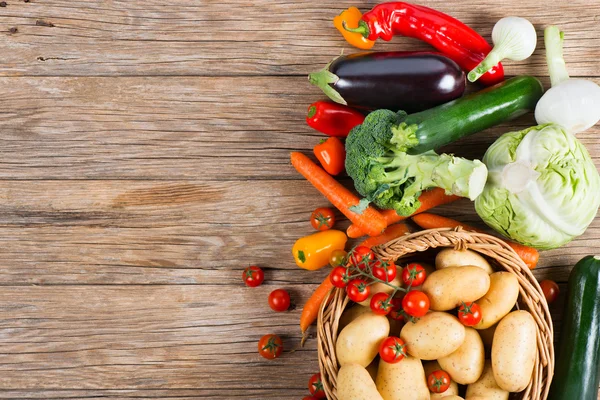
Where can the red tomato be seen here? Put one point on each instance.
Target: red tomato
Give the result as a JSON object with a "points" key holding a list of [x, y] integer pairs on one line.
{"points": [[381, 303], [415, 303], [331, 153], [384, 270], [438, 381], [315, 386], [322, 219], [253, 276], [469, 313], [392, 350], [270, 346], [339, 277], [396, 313], [337, 258], [279, 300], [357, 290], [361, 256], [309, 398], [414, 274], [550, 289]]}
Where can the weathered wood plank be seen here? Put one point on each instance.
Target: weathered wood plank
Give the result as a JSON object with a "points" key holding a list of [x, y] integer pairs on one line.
{"points": [[170, 128], [159, 37]]}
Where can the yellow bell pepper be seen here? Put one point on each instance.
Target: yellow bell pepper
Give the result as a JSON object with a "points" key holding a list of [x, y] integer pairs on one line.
{"points": [[351, 17], [312, 252]]}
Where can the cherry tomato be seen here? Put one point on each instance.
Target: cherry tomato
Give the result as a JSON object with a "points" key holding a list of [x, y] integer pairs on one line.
{"points": [[361, 256], [396, 313], [337, 258], [392, 350], [331, 153], [381, 303], [384, 270], [253, 276], [309, 398], [270, 346], [322, 219], [415, 303], [550, 289], [469, 313], [339, 277], [315, 386], [279, 300], [438, 381], [357, 290], [414, 274]]}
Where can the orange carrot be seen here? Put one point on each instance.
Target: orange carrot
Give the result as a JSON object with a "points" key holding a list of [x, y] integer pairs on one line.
{"points": [[370, 220], [391, 232], [429, 199], [312, 305], [431, 221]]}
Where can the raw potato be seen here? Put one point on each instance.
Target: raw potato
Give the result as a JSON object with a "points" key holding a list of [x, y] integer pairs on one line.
{"points": [[350, 314], [459, 258], [358, 343], [465, 365], [448, 287], [435, 335], [355, 383], [499, 300], [514, 351], [404, 380], [431, 366], [381, 287], [453, 397], [486, 387]]}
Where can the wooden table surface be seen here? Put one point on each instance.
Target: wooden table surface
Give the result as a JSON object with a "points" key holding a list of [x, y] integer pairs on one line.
{"points": [[145, 162]]}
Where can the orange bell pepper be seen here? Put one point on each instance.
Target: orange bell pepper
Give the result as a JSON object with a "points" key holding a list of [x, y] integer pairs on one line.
{"points": [[312, 252], [351, 17]]}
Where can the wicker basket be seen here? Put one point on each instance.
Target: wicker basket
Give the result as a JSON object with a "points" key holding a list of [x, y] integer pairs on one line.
{"points": [[530, 298]]}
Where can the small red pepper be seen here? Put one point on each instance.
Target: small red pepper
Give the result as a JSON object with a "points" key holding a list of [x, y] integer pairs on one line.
{"points": [[331, 154], [333, 119], [447, 34]]}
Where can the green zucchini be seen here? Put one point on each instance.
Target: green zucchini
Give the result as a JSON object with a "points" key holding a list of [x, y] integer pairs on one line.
{"points": [[576, 373], [473, 113]]}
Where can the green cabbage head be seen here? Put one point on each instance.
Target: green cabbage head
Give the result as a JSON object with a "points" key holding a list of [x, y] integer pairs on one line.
{"points": [[543, 189]]}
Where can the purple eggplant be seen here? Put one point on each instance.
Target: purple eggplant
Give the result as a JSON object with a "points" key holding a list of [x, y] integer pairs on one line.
{"points": [[408, 81]]}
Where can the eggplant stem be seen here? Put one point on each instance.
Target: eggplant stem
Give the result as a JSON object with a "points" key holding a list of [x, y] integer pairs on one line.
{"points": [[553, 40], [322, 79]]}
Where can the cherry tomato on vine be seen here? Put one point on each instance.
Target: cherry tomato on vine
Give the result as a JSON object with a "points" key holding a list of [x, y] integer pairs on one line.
{"points": [[415, 303], [396, 313], [279, 300], [361, 255], [315, 386], [322, 219], [469, 313], [357, 290], [414, 274], [384, 270], [550, 289], [339, 277], [381, 303], [270, 346], [392, 350], [337, 258], [438, 381], [253, 276]]}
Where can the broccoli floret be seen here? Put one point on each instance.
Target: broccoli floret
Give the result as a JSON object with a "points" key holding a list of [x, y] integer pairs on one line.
{"points": [[385, 174]]}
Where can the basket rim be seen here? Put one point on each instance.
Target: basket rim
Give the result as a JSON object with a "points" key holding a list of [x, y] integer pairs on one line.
{"points": [[530, 297]]}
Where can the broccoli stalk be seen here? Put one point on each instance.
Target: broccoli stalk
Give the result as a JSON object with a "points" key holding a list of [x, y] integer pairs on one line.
{"points": [[385, 174]]}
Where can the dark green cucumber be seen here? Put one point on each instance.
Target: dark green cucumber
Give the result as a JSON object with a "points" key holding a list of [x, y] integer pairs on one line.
{"points": [[449, 122], [576, 371]]}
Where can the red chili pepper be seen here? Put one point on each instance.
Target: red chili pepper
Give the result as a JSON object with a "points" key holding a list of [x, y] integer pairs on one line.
{"points": [[331, 154], [447, 34], [333, 119]]}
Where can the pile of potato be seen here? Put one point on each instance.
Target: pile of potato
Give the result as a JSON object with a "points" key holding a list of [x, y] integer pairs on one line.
{"points": [[440, 341]]}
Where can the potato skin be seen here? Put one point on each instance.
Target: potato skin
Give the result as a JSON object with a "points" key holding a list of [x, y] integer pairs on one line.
{"points": [[458, 258], [486, 386], [402, 381], [358, 343], [514, 351], [355, 383], [350, 314], [435, 335], [431, 366], [465, 365], [499, 300], [453, 397], [448, 287], [381, 287]]}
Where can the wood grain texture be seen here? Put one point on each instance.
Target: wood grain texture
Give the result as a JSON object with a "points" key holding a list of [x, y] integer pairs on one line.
{"points": [[144, 162]]}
